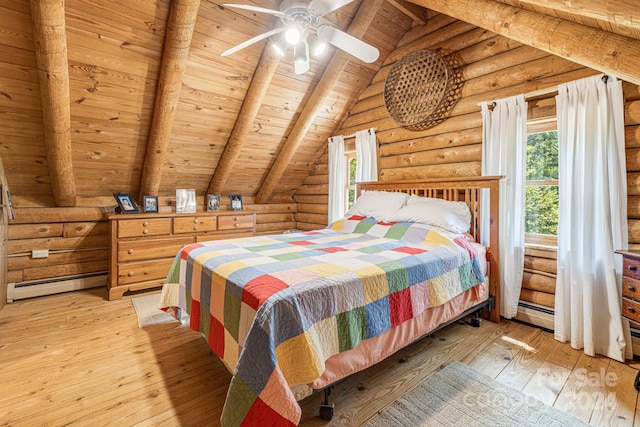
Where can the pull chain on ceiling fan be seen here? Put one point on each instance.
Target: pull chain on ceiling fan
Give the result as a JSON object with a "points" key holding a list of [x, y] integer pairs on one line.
{"points": [[300, 29]]}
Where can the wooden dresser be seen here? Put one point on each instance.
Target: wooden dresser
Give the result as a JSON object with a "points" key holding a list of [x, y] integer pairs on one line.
{"points": [[631, 286], [143, 245]]}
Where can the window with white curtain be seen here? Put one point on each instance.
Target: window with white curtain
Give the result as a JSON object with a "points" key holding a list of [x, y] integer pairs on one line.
{"points": [[350, 172], [541, 182]]}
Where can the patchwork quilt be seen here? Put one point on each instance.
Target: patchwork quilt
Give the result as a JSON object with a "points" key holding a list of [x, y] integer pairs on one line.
{"points": [[274, 308]]}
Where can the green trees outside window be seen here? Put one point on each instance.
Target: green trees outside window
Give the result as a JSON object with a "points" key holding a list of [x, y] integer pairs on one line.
{"points": [[541, 192]]}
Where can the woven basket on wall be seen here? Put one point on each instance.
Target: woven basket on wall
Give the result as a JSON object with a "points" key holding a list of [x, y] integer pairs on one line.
{"points": [[420, 89]]}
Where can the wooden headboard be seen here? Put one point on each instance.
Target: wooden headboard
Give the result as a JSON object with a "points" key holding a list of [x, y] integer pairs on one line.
{"points": [[468, 190]]}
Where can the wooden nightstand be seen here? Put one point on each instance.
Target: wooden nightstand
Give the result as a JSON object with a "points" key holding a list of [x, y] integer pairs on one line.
{"points": [[631, 286], [631, 292]]}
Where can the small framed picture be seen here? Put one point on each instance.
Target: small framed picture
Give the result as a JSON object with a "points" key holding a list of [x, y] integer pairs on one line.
{"points": [[150, 204], [185, 200], [213, 202], [126, 203], [236, 202]]}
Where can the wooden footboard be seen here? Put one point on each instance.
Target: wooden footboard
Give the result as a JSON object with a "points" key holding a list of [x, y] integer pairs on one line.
{"points": [[470, 190]]}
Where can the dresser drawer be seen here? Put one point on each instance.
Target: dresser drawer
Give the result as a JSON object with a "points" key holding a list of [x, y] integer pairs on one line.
{"points": [[631, 288], [232, 222], [150, 249], [143, 271], [194, 224], [631, 310], [144, 227], [631, 267]]}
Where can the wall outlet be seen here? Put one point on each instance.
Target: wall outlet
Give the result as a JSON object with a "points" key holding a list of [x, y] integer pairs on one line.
{"points": [[40, 253]]}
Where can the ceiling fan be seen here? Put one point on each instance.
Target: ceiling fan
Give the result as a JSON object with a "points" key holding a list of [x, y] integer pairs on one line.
{"points": [[300, 28]]}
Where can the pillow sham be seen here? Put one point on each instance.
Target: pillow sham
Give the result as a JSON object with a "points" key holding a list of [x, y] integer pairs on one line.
{"points": [[452, 216], [378, 204]]}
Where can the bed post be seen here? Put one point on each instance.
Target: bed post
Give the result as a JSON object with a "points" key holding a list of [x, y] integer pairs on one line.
{"points": [[493, 253]]}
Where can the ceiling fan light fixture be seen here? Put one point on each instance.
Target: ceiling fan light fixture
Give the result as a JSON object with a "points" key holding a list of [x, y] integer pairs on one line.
{"points": [[301, 57], [292, 35], [318, 47], [280, 46]]}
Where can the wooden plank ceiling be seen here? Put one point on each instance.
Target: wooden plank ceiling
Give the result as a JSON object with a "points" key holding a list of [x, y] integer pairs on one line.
{"points": [[106, 96]]}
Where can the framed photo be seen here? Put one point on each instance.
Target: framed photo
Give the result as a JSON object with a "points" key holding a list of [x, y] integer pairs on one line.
{"points": [[213, 202], [236, 201], [126, 203], [150, 204], [185, 200], [12, 216]]}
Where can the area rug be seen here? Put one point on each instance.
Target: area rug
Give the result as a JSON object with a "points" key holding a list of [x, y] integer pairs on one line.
{"points": [[460, 396], [148, 312]]}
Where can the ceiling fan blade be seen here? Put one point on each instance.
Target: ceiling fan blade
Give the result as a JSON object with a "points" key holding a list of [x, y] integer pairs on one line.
{"points": [[254, 9], [251, 41], [322, 7], [348, 43]]}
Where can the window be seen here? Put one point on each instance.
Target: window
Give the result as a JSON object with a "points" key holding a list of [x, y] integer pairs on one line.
{"points": [[350, 188], [541, 191]]}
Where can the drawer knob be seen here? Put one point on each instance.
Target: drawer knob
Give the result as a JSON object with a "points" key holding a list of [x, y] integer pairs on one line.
{"points": [[631, 310], [130, 251], [195, 221], [195, 228], [130, 274], [236, 225], [145, 231], [633, 267], [631, 288], [145, 223]]}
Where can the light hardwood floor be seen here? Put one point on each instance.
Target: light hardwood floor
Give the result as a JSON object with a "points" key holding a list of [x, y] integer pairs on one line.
{"points": [[78, 359]]}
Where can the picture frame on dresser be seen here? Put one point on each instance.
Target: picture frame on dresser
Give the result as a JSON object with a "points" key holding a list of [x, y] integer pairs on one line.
{"points": [[213, 202], [126, 204], [185, 200], [235, 201], [150, 204]]}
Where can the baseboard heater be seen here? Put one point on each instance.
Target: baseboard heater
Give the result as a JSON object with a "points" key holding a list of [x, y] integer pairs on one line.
{"points": [[535, 314], [37, 288]]}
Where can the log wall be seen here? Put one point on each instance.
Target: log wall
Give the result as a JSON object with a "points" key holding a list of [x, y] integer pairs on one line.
{"points": [[78, 238], [493, 67]]}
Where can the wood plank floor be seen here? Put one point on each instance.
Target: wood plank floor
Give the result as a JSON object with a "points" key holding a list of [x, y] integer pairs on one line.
{"points": [[78, 359]]}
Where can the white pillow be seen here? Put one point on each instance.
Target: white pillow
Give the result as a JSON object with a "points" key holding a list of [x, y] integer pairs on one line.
{"points": [[380, 205], [452, 216]]}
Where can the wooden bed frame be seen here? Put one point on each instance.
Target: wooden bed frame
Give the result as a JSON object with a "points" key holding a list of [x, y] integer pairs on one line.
{"points": [[468, 190]]}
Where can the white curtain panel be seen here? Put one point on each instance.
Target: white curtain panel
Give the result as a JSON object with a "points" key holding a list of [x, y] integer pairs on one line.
{"points": [[337, 178], [592, 217], [504, 143], [366, 153]]}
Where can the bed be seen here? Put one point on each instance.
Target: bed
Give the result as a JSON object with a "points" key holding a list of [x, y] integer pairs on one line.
{"points": [[314, 307]]}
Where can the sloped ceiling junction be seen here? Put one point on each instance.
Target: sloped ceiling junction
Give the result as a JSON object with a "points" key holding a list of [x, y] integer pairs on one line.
{"points": [[113, 96]]}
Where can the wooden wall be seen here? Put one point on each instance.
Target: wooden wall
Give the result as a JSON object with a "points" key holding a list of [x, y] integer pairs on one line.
{"points": [[78, 238], [493, 67], [4, 217]]}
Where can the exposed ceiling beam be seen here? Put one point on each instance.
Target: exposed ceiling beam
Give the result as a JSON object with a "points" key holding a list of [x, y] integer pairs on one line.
{"points": [[594, 48], [50, 40], [180, 26], [361, 21], [260, 83], [621, 12], [417, 13]]}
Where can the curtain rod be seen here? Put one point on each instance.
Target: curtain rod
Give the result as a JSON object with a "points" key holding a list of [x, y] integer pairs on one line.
{"points": [[540, 92], [353, 135]]}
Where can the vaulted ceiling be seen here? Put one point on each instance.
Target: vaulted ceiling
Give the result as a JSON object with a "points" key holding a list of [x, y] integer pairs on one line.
{"points": [[104, 96]]}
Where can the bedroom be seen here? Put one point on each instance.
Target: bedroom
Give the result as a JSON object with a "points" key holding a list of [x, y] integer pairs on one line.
{"points": [[278, 161]]}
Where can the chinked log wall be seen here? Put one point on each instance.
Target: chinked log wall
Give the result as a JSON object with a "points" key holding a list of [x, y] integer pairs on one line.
{"points": [[494, 67], [78, 238]]}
